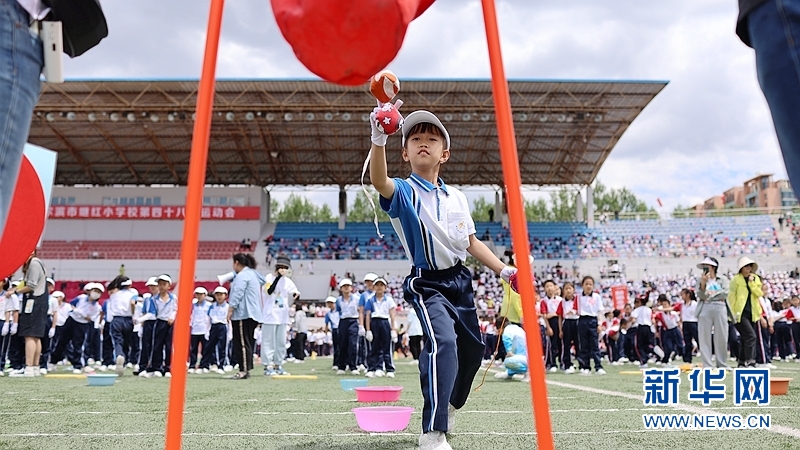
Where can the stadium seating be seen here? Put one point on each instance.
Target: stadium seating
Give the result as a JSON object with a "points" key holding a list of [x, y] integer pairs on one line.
{"points": [[729, 236], [135, 249]]}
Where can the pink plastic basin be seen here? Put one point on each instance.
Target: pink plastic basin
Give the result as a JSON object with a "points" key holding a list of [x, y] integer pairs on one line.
{"points": [[369, 394], [381, 419]]}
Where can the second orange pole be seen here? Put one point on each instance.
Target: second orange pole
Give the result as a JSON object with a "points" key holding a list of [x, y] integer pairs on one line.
{"points": [[519, 228], [191, 226]]}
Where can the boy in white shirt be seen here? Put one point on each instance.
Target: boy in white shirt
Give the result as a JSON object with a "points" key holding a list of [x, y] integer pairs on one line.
{"points": [[642, 318], [199, 329]]}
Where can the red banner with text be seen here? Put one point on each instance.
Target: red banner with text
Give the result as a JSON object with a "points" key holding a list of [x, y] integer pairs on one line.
{"points": [[619, 296], [152, 212]]}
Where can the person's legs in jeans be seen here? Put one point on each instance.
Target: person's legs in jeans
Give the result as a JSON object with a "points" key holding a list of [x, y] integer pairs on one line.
{"points": [[774, 30], [21, 61]]}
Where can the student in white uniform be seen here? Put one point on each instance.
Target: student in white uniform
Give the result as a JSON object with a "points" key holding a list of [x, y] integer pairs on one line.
{"points": [[380, 331], [214, 353], [62, 314], [642, 317], [120, 307], [163, 307], [147, 322], [55, 301], [590, 306], [85, 309], [200, 328], [281, 293]]}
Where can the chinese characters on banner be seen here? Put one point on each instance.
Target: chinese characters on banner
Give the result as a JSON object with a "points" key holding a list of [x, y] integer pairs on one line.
{"points": [[152, 212], [619, 296]]}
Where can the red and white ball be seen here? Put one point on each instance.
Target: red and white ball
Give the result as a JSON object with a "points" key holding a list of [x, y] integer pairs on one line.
{"points": [[388, 118], [384, 86]]}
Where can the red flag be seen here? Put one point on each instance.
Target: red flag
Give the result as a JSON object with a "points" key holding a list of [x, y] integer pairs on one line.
{"points": [[659, 203]]}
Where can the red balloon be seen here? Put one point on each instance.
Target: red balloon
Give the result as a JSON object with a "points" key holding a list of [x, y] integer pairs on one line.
{"points": [[346, 42], [25, 221]]}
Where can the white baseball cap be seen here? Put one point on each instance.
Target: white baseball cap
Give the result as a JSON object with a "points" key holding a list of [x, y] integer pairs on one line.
{"points": [[126, 283], [221, 290], [58, 294], [330, 300], [152, 281], [381, 280], [201, 290], [422, 116], [370, 277], [51, 281], [345, 282], [164, 277], [98, 286]]}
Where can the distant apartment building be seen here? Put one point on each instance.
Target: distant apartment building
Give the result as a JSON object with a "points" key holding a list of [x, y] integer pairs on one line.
{"points": [[757, 192]]}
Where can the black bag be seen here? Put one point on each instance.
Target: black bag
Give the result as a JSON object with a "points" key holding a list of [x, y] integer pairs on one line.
{"points": [[83, 23]]}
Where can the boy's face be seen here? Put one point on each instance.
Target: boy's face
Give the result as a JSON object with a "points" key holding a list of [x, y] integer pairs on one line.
{"points": [[549, 289], [795, 301], [425, 150], [569, 291], [220, 297], [153, 289], [346, 289], [380, 289], [369, 285], [200, 297], [163, 286]]}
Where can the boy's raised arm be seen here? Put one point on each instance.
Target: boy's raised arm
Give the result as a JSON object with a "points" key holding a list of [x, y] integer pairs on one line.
{"points": [[377, 165]]}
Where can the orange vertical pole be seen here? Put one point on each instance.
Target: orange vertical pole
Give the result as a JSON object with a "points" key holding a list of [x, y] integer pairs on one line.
{"points": [[519, 228], [191, 227]]}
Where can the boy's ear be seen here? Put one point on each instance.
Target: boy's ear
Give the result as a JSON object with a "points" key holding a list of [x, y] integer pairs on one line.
{"points": [[404, 154], [445, 156]]}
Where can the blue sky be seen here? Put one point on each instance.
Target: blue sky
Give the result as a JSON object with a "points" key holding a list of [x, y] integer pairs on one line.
{"points": [[708, 130]]}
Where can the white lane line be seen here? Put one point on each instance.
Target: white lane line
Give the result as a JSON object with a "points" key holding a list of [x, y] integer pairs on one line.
{"points": [[19, 413], [774, 428]]}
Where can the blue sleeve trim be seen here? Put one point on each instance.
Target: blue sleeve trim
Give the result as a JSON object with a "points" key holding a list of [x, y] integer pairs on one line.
{"points": [[400, 199]]}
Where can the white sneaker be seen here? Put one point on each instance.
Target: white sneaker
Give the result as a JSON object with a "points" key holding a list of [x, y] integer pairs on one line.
{"points": [[30, 372], [361, 367], [340, 372], [157, 374], [553, 369], [228, 368], [616, 363], [518, 377], [433, 440], [16, 373], [149, 374], [220, 371], [657, 350], [41, 372], [502, 375], [168, 375], [2, 373], [570, 371], [204, 370], [51, 367], [191, 371], [136, 368], [90, 362], [370, 374], [389, 374], [103, 368], [601, 372], [356, 372], [379, 373], [119, 369], [451, 418], [585, 372], [143, 374], [77, 371], [129, 366], [299, 361], [624, 360], [88, 369]]}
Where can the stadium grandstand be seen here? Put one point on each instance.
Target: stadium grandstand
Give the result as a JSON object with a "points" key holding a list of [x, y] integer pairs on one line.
{"points": [[123, 151]]}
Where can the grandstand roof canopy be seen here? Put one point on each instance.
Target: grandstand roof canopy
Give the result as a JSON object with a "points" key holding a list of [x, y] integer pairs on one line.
{"points": [[290, 132]]}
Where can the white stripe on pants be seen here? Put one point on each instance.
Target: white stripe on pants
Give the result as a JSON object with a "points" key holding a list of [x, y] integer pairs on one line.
{"points": [[273, 344], [713, 314]]}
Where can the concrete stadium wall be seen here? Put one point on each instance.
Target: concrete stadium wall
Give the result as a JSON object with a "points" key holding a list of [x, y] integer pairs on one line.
{"points": [[146, 230], [170, 195]]}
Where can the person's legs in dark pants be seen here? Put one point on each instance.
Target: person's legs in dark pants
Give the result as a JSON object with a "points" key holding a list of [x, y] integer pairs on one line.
{"points": [[195, 342], [774, 28], [415, 345], [589, 345], [643, 339], [168, 349], [554, 349], [783, 336], [107, 346], [148, 344], [79, 332], [747, 336], [300, 351], [46, 345], [569, 340], [335, 346], [121, 330], [689, 338], [160, 334]]}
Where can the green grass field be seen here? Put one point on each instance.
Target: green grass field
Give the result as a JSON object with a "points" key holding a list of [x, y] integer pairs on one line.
{"points": [[263, 413]]}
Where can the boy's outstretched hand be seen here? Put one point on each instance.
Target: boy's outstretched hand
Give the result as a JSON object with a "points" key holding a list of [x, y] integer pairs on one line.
{"points": [[509, 275], [385, 120]]}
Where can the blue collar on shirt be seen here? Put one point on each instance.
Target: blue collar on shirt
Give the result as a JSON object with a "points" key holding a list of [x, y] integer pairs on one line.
{"points": [[427, 186]]}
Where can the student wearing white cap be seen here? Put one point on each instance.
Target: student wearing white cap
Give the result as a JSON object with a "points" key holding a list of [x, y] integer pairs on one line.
{"points": [[121, 306], [84, 310], [245, 311], [332, 325], [147, 324], [61, 316], [350, 329], [214, 352], [381, 333], [743, 299], [52, 310], [158, 349], [199, 328], [281, 293], [712, 314], [364, 346]]}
